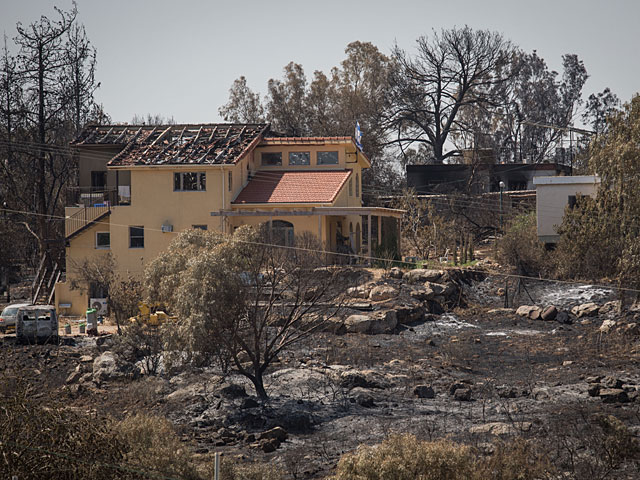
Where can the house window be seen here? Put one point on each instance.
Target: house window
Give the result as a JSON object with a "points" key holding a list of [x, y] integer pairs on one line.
{"points": [[189, 181], [199, 227], [272, 159], [103, 240], [299, 158], [357, 186], [327, 158], [230, 181], [282, 233], [136, 237], [571, 201], [98, 179], [351, 187]]}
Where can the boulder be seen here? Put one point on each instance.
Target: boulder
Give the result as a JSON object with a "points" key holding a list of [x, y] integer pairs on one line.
{"points": [[74, 377], [549, 313], [563, 317], [585, 310], [276, 433], [364, 400], [105, 367], [614, 395], [361, 378], [231, 391], [361, 291], [420, 275], [419, 292], [382, 292], [607, 325], [525, 310], [382, 321], [612, 382], [443, 290], [462, 394], [395, 272], [424, 391], [594, 390]]}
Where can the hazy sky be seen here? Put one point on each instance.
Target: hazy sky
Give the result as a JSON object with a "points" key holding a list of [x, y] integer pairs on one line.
{"points": [[179, 58]]}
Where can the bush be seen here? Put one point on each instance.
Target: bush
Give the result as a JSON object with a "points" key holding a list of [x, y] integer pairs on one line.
{"points": [[152, 445], [140, 341], [403, 457], [231, 470], [521, 249]]}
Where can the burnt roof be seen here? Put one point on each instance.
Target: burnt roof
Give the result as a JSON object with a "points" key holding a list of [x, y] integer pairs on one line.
{"points": [[205, 144]]}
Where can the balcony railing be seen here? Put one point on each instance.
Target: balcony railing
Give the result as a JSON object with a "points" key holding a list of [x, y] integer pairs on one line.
{"points": [[84, 217], [98, 196]]}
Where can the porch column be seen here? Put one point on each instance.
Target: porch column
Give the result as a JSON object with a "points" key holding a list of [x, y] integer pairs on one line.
{"points": [[320, 232], [399, 228], [379, 229], [369, 237]]}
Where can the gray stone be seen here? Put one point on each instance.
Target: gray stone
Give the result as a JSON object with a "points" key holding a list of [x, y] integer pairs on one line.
{"points": [[105, 367], [276, 433], [563, 317], [462, 394], [361, 378], [525, 310], [231, 390], [424, 391], [382, 321], [74, 377], [614, 395], [420, 275], [395, 272], [585, 310], [382, 292]]}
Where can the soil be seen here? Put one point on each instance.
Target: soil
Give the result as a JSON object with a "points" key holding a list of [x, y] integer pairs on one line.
{"points": [[334, 392]]}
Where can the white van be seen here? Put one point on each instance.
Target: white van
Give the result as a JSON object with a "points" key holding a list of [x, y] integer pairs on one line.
{"points": [[37, 323]]}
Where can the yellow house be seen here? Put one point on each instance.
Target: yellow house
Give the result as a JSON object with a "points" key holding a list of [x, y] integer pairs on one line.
{"points": [[140, 185]]}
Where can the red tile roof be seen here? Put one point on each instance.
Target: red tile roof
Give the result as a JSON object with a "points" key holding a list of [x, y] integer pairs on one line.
{"points": [[302, 186]]}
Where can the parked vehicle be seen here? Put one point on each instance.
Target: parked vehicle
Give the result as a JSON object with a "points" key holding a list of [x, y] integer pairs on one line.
{"points": [[8, 316], [37, 323]]}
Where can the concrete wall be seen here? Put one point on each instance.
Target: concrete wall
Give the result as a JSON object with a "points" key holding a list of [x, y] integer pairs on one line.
{"points": [[552, 196]]}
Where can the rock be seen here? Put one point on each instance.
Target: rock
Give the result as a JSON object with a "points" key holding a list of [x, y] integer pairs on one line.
{"points": [[364, 400], [525, 310], [420, 275], [630, 329], [231, 391], [86, 359], [567, 363], [424, 391], [585, 310], [419, 292], [505, 391], [395, 272], [594, 390], [462, 394], [612, 382], [408, 310], [549, 313], [382, 321], [268, 446], [382, 292], [607, 325], [276, 433], [614, 395], [455, 386], [105, 367], [441, 290], [609, 307], [74, 377], [563, 317], [535, 313], [358, 292], [249, 403], [361, 378], [297, 422]]}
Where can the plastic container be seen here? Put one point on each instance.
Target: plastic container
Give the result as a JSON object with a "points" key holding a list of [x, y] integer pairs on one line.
{"points": [[92, 319]]}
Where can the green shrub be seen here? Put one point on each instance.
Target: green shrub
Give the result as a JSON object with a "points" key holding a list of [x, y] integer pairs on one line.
{"points": [[521, 249]]}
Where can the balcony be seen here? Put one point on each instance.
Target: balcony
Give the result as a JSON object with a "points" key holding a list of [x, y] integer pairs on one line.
{"points": [[98, 196]]}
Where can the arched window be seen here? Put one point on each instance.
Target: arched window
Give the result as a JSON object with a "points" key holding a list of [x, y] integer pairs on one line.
{"points": [[282, 233]]}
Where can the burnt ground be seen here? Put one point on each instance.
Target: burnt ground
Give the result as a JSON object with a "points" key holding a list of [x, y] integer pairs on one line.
{"points": [[523, 377]]}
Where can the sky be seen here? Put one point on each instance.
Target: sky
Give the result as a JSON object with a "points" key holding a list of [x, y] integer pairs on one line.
{"points": [[179, 58]]}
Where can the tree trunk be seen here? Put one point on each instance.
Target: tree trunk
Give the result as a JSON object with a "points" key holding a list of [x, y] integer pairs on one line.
{"points": [[259, 385]]}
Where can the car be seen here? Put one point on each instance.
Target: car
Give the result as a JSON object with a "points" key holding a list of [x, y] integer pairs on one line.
{"points": [[37, 323], [8, 316]]}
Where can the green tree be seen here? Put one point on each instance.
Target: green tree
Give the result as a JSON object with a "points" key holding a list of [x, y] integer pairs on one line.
{"points": [[599, 237], [241, 297]]}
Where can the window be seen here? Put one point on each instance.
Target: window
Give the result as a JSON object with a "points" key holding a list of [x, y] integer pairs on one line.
{"points": [[103, 240], [282, 233], [357, 186], [571, 201], [230, 181], [199, 227], [327, 158], [299, 158], [271, 159], [189, 181], [98, 179], [351, 187], [136, 237]]}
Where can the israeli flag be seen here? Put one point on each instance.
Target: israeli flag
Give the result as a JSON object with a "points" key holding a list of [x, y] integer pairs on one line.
{"points": [[358, 136]]}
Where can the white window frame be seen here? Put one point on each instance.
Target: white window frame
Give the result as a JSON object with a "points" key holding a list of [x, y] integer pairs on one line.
{"points": [[201, 181]]}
